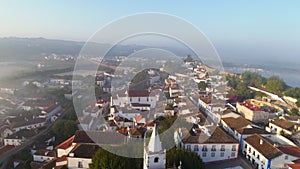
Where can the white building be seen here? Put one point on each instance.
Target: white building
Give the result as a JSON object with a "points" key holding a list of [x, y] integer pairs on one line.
{"points": [[213, 146], [281, 125], [154, 154], [19, 137], [141, 99], [81, 156], [43, 155], [264, 155]]}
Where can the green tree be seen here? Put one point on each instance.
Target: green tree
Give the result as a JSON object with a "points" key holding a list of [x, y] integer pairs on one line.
{"points": [[188, 58], [275, 84], [253, 79], [104, 159], [64, 129], [293, 92], [202, 85], [232, 81], [243, 90], [70, 114], [295, 111], [189, 159]]}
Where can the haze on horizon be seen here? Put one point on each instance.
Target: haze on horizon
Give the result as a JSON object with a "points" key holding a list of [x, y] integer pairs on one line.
{"points": [[242, 31]]}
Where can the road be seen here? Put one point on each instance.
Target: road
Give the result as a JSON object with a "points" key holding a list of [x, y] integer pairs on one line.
{"points": [[5, 158]]}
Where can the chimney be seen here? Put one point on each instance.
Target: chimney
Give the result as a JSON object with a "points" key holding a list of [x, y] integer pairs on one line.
{"points": [[261, 141]]}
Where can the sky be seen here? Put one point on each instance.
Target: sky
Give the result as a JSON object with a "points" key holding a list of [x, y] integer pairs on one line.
{"points": [[269, 28]]}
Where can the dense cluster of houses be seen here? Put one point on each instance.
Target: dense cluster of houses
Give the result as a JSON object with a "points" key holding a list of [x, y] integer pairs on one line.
{"points": [[219, 131]]}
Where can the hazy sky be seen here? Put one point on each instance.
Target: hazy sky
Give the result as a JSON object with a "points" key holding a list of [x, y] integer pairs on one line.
{"points": [[269, 28]]}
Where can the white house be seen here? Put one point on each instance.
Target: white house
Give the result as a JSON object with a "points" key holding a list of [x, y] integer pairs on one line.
{"points": [[27, 123], [50, 111], [213, 146], [265, 155], [44, 155], [281, 125], [81, 156], [139, 99], [19, 137]]}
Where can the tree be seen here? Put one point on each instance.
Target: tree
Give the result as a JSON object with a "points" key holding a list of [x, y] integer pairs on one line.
{"points": [[64, 129], [293, 92], [275, 84], [244, 91], [188, 58], [104, 159], [295, 111], [253, 79], [189, 159], [202, 85], [70, 114], [232, 81]]}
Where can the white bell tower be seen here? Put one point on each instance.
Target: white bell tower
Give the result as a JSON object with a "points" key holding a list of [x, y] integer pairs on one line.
{"points": [[154, 155]]}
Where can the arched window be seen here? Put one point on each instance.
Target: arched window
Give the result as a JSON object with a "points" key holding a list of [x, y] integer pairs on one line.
{"points": [[156, 159]]}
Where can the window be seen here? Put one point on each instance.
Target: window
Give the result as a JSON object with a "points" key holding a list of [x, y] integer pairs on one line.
{"points": [[233, 154], [204, 148], [213, 148], [257, 156], [222, 147], [147, 99], [286, 157], [80, 164], [156, 160], [233, 148], [204, 154], [139, 99], [253, 153], [213, 154], [188, 147], [222, 154], [245, 145], [196, 148]]}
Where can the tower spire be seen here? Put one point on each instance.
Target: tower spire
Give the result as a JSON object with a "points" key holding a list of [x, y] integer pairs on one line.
{"points": [[154, 143]]}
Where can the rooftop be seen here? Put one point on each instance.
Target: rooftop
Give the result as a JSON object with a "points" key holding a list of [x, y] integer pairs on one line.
{"points": [[217, 136], [25, 133], [99, 137], [283, 124], [290, 150], [252, 131], [266, 148], [236, 123], [84, 150], [66, 144]]}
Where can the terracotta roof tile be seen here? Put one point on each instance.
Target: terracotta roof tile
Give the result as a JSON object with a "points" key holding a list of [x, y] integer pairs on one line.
{"points": [[283, 124], [266, 148], [236, 123]]}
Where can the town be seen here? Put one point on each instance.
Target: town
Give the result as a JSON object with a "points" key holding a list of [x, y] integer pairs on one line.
{"points": [[243, 121]]}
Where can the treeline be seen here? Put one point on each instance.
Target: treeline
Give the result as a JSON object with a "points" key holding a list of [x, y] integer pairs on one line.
{"points": [[273, 84], [187, 159], [241, 82]]}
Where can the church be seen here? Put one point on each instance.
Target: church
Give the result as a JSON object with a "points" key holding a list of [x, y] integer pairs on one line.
{"points": [[154, 154]]}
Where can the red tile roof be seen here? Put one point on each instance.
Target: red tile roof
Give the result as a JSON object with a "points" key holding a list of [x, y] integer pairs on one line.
{"points": [[138, 93], [294, 166], [290, 150], [236, 123], [66, 144], [266, 148], [5, 149], [283, 124]]}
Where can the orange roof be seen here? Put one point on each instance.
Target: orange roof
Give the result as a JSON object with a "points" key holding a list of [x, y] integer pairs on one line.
{"points": [[66, 144], [294, 166], [4, 149]]}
